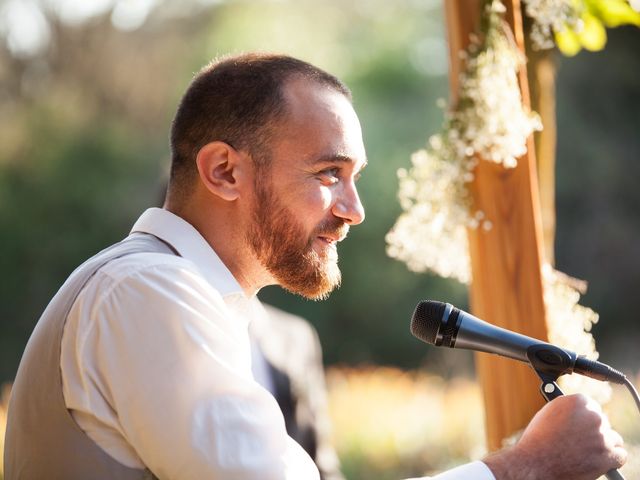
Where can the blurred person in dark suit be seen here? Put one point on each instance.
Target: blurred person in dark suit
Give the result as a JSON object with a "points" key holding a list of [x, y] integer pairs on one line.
{"points": [[287, 361]]}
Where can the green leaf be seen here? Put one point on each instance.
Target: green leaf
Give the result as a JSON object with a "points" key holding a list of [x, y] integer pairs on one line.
{"points": [[614, 13], [568, 42], [593, 35]]}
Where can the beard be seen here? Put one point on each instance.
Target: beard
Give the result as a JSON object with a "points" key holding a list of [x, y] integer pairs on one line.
{"points": [[286, 251]]}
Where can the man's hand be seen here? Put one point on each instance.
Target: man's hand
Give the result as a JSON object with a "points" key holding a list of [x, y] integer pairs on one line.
{"points": [[569, 439]]}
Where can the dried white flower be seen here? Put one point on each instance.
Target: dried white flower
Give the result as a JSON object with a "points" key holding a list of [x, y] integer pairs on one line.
{"points": [[491, 119], [430, 234], [549, 17]]}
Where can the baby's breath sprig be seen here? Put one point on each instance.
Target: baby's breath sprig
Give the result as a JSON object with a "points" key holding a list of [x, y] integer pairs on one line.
{"points": [[488, 123]]}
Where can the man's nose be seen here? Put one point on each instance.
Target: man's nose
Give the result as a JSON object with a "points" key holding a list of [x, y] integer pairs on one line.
{"points": [[348, 206]]}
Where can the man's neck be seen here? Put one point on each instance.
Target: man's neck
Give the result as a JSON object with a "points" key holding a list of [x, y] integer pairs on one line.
{"points": [[225, 235]]}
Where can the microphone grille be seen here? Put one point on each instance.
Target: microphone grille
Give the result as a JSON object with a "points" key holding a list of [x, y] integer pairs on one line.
{"points": [[426, 320]]}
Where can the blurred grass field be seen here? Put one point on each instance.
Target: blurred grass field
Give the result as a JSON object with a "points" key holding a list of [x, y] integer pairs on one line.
{"points": [[390, 423], [393, 424]]}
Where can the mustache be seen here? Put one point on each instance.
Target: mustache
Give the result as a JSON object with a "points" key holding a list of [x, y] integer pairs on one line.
{"points": [[333, 227]]}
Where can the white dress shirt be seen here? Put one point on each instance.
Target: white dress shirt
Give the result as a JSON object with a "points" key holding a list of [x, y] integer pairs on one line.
{"points": [[156, 368]]}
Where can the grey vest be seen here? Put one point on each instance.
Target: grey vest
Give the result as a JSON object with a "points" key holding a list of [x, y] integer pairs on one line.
{"points": [[42, 440]]}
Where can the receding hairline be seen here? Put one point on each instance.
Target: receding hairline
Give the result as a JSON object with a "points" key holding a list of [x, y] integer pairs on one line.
{"points": [[262, 117], [287, 91]]}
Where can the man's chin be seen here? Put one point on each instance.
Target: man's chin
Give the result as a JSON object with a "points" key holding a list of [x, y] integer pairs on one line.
{"points": [[320, 294], [319, 288], [316, 296]]}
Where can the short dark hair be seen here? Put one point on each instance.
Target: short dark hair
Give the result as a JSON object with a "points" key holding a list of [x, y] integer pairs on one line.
{"points": [[238, 100]]}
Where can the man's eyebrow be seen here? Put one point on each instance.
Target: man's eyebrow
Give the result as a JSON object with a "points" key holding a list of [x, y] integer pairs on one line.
{"points": [[337, 158]]}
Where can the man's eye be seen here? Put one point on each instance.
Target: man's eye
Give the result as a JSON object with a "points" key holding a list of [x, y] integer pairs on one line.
{"points": [[329, 175]]}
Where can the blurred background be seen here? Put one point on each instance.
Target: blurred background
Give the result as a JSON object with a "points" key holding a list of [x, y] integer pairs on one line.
{"points": [[87, 93]]}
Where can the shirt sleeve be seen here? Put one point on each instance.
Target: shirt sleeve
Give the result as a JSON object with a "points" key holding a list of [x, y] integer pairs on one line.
{"points": [[469, 471], [172, 361]]}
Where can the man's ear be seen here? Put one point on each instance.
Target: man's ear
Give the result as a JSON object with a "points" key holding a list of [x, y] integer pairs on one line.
{"points": [[222, 170]]}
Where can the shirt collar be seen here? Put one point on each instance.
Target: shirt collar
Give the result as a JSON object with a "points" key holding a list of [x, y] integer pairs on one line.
{"points": [[182, 236]]}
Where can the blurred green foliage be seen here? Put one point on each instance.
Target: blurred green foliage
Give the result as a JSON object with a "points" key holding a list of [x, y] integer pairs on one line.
{"points": [[83, 150], [84, 127]]}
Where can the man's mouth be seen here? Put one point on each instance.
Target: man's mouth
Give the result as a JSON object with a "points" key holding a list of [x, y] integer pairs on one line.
{"points": [[328, 240], [334, 237], [329, 236]]}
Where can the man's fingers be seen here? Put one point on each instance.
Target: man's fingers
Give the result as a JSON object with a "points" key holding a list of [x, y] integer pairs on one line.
{"points": [[590, 403], [613, 439], [614, 444], [620, 456]]}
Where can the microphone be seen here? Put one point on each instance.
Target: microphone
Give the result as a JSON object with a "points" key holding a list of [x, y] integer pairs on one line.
{"points": [[441, 324]]}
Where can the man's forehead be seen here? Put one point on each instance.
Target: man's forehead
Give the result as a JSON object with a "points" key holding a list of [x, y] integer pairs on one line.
{"points": [[302, 94], [320, 125]]}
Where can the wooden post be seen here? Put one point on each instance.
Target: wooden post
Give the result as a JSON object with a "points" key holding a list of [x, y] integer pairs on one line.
{"points": [[506, 287], [542, 79]]}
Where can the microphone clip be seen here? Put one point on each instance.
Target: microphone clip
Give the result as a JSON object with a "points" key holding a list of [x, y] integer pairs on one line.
{"points": [[550, 360], [549, 388], [549, 363]]}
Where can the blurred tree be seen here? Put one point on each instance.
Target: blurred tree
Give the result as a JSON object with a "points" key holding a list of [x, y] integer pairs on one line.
{"points": [[84, 122], [84, 147]]}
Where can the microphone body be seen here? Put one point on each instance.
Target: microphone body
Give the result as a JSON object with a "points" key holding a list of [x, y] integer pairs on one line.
{"points": [[442, 324]]}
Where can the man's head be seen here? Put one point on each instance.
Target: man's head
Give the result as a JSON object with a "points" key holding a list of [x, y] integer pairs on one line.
{"points": [[239, 100], [276, 147]]}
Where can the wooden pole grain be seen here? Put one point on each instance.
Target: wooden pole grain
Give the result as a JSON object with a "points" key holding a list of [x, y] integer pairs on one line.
{"points": [[506, 260]]}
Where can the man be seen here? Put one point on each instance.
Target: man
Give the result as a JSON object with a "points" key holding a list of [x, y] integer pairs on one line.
{"points": [[141, 364]]}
